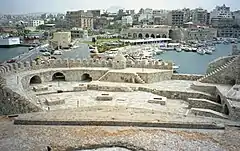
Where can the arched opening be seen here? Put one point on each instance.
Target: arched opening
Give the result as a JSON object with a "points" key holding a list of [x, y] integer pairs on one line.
{"points": [[129, 35], [158, 36], [147, 36], [140, 36], [35, 80], [152, 35], [134, 35], [58, 77], [86, 77], [219, 99], [164, 36], [232, 82], [226, 110]]}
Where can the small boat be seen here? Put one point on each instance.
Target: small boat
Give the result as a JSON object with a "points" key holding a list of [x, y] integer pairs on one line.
{"points": [[178, 49], [208, 51], [194, 49], [201, 51], [158, 51]]}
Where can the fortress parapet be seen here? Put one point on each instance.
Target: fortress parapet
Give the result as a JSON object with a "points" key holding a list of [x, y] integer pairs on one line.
{"points": [[74, 63]]}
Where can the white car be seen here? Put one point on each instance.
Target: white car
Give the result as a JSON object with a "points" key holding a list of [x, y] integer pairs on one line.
{"points": [[46, 54], [57, 53]]}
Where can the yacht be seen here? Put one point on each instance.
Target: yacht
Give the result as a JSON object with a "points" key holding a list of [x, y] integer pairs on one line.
{"points": [[158, 51]]}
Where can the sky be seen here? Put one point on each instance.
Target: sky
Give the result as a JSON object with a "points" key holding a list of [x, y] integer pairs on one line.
{"points": [[61, 6]]}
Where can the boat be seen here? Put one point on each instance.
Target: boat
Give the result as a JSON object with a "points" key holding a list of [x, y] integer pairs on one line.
{"points": [[201, 51], [158, 51], [178, 49], [8, 42], [208, 51], [175, 67]]}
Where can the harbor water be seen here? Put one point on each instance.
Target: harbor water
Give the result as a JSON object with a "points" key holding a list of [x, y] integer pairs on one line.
{"points": [[192, 62], [189, 62]]}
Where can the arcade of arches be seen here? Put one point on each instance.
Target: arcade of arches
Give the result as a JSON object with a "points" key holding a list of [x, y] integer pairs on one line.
{"points": [[86, 77], [147, 35]]}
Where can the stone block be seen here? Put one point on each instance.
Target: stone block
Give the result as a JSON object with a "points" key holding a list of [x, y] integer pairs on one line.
{"points": [[160, 100], [104, 97], [81, 87], [40, 88], [54, 101]]}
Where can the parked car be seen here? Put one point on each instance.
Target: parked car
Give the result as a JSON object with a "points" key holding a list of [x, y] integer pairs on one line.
{"points": [[43, 50], [46, 54]]}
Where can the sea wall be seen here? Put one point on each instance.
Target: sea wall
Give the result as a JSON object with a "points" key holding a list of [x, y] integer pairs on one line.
{"points": [[218, 63], [191, 77]]}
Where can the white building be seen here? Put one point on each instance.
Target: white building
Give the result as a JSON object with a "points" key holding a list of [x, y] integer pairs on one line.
{"points": [[61, 39], [146, 15], [127, 20], [221, 12], [36, 23]]}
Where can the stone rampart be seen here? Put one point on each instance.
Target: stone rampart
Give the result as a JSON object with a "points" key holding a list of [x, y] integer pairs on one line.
{"points": [[13, 103], [218, 63], [71, 63], [191, 77]]}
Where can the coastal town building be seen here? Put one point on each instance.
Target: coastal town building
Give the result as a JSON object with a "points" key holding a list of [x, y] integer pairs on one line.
{"points": [[175, 18], [61, 39], [199, 16], [36, 23], [127, 20], [221, 12], [78, 33], [80, 19], [146, 31], [95, 13], [199, 33]]}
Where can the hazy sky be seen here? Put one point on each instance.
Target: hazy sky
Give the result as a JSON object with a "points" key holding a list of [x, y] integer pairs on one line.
{"points": [[30, 6]]}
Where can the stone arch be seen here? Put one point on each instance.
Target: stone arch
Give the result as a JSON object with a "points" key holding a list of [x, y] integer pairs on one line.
{"points": [[35, 80], [219, 100], [164, 36], [158, 36], [129, 35], [226, 110], [146, 35], [134, 35], [58, 77], [232, 82], [152, 35], [86, 77], [140, 35]]}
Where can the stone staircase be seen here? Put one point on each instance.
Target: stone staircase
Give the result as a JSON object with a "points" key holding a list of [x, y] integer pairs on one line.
{"points": [[204, 104], [218, 70], [207, 113], [103, 76], [138, 79]]}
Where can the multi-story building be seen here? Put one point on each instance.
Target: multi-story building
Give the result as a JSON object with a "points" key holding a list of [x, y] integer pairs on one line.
{"points": [[175, 18], [130, 12], [95, 13], [79, 33], [146, 16], [61, 39], [230, 32], [200, 33], [199, 16], [236, 16], [160, 17], [127, 20], [221, 12], [80, 19], [187, 15], [36, 23], [222, 22]]}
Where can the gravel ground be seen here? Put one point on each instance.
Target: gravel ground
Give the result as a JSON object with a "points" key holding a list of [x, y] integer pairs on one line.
{"points": [[36, 138]]}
